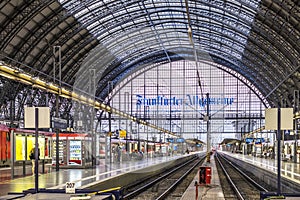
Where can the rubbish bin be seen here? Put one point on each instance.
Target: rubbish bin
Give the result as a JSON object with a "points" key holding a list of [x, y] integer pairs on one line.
{"points": [[205, 175]]}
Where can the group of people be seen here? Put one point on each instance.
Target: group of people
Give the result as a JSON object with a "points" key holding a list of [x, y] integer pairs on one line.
{"points": [[135, 155]]}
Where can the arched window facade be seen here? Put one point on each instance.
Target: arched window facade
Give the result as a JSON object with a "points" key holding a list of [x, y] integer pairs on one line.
{"points": [[188, 101]]}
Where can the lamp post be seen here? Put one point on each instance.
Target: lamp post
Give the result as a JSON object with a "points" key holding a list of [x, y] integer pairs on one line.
{"points": [[138, 132], [93, 132], [57, 61], [206, 118], [296, 106]]}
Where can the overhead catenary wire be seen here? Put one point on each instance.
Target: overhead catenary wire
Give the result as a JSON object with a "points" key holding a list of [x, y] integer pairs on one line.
{"points": [[191, 39]]}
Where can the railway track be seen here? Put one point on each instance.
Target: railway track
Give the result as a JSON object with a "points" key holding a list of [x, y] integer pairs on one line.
{"points": [[169, 185], [235, 183]]}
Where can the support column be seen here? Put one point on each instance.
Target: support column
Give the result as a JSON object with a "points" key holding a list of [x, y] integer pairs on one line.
{"points": [[57, 62], [208, 137], [93, 132], [296, 107]]}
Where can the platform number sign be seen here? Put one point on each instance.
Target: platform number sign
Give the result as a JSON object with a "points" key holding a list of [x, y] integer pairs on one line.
{"points": [[70, 187]]}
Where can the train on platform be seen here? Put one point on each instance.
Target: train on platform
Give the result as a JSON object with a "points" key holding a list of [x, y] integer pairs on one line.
{"points": [[76, 148], [4, 145], [22, 141]]}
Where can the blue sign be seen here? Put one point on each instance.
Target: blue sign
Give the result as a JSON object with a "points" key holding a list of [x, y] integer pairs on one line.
{"points": [[180, 140], [259, 140], [189, 101], [171, 140], [249, 140]]}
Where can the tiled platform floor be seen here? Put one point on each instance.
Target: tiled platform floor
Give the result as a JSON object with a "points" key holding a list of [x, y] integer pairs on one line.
{"points": [[81, 177], [212, 191]]}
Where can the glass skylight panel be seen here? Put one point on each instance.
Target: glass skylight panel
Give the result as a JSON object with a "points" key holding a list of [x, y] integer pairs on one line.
{"points": [[95, 5], [215, 10], [69, 4], [238, 47], [82, 12], [120, 12], [176, 3], [253, 3], [162, 3], [220, 9], [202, 6], [104, 35], [62, 1], [132, 9], [96, 23], [86, 19]]}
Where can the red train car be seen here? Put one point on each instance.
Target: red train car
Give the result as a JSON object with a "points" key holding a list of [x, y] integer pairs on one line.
{"points": [[4, 145], [24, 140]]}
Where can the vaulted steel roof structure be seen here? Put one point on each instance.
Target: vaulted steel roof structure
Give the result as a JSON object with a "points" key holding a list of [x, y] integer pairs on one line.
{"points": [[258, 39]]}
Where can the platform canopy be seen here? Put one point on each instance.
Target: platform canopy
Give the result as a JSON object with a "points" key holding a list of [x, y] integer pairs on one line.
{"points": [[258, 39], [194, 141], [230, 141]]}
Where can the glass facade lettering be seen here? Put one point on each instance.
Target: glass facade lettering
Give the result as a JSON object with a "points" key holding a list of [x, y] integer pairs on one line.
{"points": [[169, 96]]}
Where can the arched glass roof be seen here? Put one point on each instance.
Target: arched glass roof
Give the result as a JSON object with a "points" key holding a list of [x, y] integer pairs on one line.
{"points": [[260, 40]]}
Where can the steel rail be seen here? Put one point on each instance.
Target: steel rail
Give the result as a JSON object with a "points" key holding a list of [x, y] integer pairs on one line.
{"points": [[253, 182], [236, 190], [177, 182], [148, 185]]}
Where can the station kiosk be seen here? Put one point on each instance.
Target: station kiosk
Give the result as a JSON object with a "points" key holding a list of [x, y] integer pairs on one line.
{"points": [[74, 150]]}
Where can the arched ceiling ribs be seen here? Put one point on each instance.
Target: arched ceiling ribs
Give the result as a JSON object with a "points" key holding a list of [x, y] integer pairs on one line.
{"points": [[37, 49], [261, 39], [179, 54], [17, 15], [273, 46]]}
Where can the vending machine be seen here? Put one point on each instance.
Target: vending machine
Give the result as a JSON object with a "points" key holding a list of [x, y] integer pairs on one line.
{"points": [[75, 152], [62, 149]]}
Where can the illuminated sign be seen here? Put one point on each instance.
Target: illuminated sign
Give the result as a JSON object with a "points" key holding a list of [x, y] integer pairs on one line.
{"points": [[189, 101], [171, 140], [249, 140], [259, 140], [177, 140], [180, 140]]}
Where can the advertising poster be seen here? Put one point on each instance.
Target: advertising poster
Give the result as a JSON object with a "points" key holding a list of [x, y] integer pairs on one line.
{"points": [[42, 147], [30, 145], [164, 149], [20, 147]]}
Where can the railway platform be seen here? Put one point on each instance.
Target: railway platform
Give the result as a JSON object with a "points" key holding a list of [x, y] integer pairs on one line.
{"points": [[290, 172], [289, 169], [55, 180], [212, 191]]}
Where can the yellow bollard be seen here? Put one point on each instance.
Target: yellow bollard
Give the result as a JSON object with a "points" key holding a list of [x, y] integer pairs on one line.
{"points": [[208, 157]]}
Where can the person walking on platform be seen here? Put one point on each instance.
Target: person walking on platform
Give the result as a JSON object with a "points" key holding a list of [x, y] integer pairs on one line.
{"points": [[118, 152], [32, 158], [187, 151]]}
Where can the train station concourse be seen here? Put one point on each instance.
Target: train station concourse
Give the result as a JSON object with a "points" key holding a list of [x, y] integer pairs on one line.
{"points": [[90, 85]]}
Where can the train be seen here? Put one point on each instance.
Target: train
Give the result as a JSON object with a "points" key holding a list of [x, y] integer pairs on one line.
{"points": [[4, 145], [75, 148], [17, 143]]}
